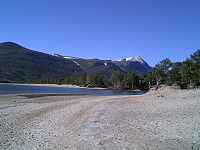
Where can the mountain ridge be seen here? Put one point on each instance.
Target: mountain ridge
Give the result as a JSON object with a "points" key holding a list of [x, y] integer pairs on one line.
{"points": [[137, 62], [18, 63]]}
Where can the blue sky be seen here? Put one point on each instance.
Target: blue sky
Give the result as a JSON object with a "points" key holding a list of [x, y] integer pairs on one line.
{"points": [[104, 29]]}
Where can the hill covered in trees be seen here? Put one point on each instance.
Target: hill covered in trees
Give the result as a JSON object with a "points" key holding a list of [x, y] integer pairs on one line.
{"points": [[184, 74], [18, 64], [106, 67]]}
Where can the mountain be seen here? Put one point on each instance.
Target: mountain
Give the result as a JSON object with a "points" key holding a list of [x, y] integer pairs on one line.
{"points": [[96, 66], [134, 64], [105, 67], [18, 63]]}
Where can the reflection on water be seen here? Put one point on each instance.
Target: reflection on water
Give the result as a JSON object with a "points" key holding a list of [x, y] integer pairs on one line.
{"points": [[6, 88]]}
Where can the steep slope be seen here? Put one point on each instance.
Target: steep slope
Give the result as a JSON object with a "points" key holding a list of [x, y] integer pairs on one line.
{"points": [[135, 64], [18, 64], [105, 67], [96, 66]]}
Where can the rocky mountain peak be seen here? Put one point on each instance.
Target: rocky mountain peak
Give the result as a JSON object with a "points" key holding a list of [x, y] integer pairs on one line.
{"points": [[135, 58]]}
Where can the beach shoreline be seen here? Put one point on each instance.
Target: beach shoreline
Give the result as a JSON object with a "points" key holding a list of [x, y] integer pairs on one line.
{"points": [[163, 119], [56, 85], [71, 86]]}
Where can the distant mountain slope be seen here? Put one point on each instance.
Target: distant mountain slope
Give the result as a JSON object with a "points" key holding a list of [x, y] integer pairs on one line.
{"points": [[105, 67], [135, 64], [18, 64], [96, 66]]}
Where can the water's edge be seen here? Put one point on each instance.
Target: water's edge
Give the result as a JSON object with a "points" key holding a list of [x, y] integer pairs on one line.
{"points": [[14, 88]]}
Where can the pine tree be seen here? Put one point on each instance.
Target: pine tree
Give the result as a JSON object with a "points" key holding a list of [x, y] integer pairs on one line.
{"points": [[116, 79], [131, 81]]}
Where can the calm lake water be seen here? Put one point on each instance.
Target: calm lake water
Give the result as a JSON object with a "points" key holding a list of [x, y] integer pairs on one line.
{"points": [[6, 88]]}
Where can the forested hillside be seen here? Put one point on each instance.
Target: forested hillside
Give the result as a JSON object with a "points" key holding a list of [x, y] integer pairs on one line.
{"points": [[184, 74], [18, 64]]}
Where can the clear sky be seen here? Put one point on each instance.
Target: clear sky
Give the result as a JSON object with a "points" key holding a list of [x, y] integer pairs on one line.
{"points": [[104, 29]]}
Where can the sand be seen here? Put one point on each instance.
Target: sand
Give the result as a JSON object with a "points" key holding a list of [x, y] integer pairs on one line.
{"points": [[166, 119], [62, 85]]}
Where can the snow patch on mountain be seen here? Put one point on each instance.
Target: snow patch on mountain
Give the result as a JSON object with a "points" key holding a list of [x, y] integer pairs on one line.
{"points": [[135, 58], [57, 55], [105, 64], [76, 63], [128, 59], [67, 57]]}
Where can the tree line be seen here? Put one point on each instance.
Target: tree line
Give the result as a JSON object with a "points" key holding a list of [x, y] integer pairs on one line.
{"points": [[89, 80], [118, 81], [184, 74]]}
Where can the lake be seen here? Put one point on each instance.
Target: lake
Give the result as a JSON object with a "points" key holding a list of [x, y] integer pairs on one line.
{"points": [[7, 88]]}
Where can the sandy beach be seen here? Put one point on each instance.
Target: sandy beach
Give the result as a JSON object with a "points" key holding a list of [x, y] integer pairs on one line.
{"points": [[166, 119], [62, 85]]}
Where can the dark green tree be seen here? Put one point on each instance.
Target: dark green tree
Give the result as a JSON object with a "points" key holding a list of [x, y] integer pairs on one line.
{"points": [[195, 58], [187, 73], [174, 75], [158, 74], [116, 79], [131, 81]]}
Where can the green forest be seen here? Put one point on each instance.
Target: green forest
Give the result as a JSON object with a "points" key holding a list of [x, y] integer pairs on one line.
{"points": [[184, 74]]}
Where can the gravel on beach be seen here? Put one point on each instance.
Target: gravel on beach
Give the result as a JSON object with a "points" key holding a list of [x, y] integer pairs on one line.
{"points": [[166, 119]]}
